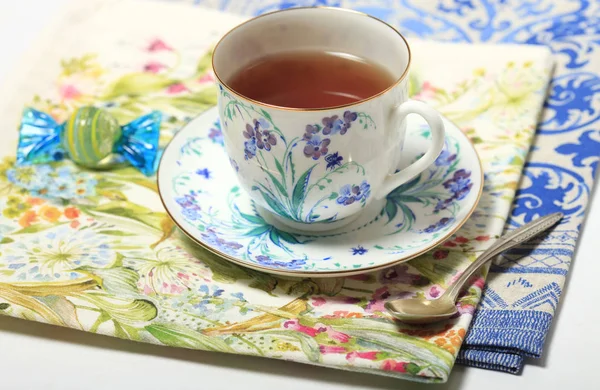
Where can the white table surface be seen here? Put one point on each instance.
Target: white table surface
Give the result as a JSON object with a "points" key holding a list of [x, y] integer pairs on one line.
{"points": [[38, 356]]}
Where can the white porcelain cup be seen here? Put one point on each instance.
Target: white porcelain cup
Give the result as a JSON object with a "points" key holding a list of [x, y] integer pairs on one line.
{"points": [[314, 169]]}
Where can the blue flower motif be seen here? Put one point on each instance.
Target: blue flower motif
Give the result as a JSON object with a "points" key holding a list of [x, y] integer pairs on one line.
{"points": [[239, 295], [204, 289], [204, 172], [335, 125], [292, 264], [359, 250], [259, 135], [333, 160], [316, 147], [442, 204], [65, 182], [250, 148], [584, 152], [353, 193], [445, 158], [189, 208], [460, 184], [229, 247], [438, 225], [217, 292], [216, 133]]}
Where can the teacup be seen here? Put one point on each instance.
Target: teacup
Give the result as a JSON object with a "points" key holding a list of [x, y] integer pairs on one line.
{"points": [[266, 143]]}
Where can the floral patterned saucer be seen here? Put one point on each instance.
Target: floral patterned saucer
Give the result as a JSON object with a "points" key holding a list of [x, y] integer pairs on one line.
{"points": [[199, 189]]}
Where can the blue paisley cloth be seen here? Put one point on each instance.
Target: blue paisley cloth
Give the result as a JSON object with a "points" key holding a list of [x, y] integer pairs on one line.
{"points": [[523, 290]]}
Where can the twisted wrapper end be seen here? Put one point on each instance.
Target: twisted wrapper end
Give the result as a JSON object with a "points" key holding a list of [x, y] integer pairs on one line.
{"points": [[139, 143], [39, 139]]}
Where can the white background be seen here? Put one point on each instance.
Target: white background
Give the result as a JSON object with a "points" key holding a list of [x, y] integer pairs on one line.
{"points": [[37, 356]]}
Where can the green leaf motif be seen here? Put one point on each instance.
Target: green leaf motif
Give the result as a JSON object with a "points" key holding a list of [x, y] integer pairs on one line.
{"points": [[300, 190], [390, 210], [258, 231], [124, 310], [37, 228], [126, 332], [279, 168], [132, 211], [273, 204], [119, 281], [288, 237], [278, 185], [252, 218], [137, 84], [119, 233], [178, 336], [6, 240]]}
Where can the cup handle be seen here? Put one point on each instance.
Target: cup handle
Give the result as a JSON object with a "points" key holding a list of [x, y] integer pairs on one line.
{"points": [[434, 120]]}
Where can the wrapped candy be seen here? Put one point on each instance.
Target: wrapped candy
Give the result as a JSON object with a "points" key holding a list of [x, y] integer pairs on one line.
{"points": [[92, 138]]}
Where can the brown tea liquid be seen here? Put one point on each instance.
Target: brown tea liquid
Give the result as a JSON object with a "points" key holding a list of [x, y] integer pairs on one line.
{"points": [[311, 79]]}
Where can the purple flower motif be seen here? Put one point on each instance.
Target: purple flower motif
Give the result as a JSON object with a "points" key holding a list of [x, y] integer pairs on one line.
{"points": [[438, 225], [216, 134], [359, 250], [229, 247], [315, 147], [445, 158], [442, 205], [353, 193], [267, 261], [189, 208], [310, 131], [266, 140], [258, 137], [334, 124], [204, 172], [333, 160], [349, 117], [460, 184]]}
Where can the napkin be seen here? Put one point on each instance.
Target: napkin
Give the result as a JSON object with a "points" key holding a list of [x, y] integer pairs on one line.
{"points": [[523, 290], [95, 251]]}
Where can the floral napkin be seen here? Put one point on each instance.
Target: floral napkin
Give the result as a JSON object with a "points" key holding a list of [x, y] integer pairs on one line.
{"points": [[95, 251]]}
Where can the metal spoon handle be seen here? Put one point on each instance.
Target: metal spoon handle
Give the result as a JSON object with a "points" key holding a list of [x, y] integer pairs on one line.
{"points": [[509, 240]]}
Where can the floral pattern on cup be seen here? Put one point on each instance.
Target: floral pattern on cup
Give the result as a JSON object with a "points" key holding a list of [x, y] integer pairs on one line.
{"points": [[335, 125], [354, 193], [290, 187], [259, 137]]}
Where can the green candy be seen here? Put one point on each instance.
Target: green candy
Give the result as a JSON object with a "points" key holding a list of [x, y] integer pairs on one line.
{"points": [[89, 136]]}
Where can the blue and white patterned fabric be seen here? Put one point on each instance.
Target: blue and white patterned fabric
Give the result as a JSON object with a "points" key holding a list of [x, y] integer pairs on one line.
{"points": [[524, 289]]}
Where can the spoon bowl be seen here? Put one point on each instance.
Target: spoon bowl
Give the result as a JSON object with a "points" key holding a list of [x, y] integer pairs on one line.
{"points": [[421, 310], [424, 311]]}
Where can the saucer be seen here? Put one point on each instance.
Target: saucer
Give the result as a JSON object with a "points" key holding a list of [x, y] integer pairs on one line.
{"points": [[199, 189]]}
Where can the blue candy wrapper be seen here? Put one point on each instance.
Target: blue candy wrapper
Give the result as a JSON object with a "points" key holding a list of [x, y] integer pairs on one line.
{"points": [[91, 137]]}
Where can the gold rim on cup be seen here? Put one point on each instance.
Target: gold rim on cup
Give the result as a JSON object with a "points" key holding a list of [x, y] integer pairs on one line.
{"points": [[232, 91]]}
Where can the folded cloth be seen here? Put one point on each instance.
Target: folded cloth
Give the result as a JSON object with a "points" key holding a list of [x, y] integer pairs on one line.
{"points": [[96, 251], [523, 291]]}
